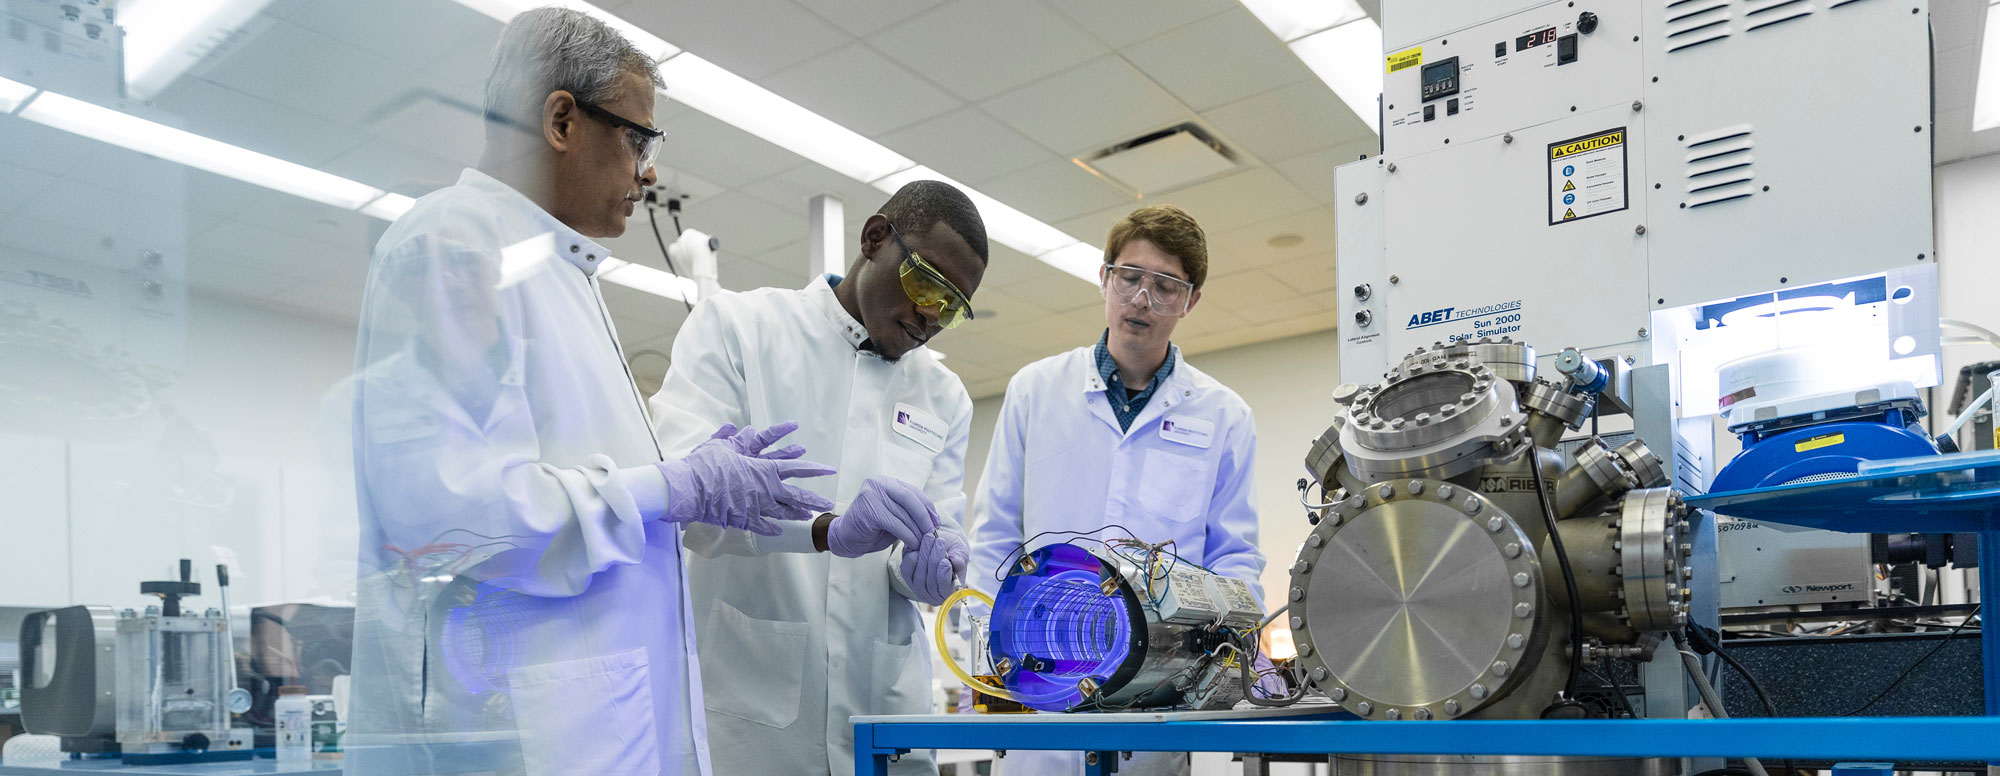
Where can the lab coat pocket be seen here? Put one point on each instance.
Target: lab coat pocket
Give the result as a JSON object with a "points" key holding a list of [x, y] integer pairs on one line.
{"points": [[593, 715], [765, 659], [1175, 486], [903, 684]]}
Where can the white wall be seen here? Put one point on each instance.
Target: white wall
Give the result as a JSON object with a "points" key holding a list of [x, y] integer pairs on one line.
{"points": [[223, 465], [1968, 246], [1288, 385]]}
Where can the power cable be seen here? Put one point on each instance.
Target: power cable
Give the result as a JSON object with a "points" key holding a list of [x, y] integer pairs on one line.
{"points": [[1913, 666], [1568, 575], [674, 209]]}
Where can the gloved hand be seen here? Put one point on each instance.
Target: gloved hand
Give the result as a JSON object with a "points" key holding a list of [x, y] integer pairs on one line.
{"points": [[886, 511], [932, 568], [732, 482]]}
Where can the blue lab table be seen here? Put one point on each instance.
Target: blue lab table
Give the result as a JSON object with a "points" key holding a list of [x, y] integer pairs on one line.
{"points": [[1939, 494]]}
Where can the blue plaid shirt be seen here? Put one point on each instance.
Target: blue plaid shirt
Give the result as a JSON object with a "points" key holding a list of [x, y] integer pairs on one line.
{"points": [[1126, 404]]}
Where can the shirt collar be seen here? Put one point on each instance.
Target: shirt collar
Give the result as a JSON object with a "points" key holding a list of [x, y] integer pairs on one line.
{"points": [[1106, 366], [526, 220], [820, 291]]}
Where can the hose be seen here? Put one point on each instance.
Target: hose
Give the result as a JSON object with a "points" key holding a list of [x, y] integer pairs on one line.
{"points": [[1708, 696], [944, 610]]}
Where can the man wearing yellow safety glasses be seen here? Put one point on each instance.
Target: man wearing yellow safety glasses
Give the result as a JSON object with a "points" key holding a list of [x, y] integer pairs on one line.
{"points": [[1125, 433], [802, 629]]}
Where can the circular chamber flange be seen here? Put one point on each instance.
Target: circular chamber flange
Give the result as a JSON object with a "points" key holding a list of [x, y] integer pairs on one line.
{"points": [[1439, 414], [1417, 599], [1653, 559]]}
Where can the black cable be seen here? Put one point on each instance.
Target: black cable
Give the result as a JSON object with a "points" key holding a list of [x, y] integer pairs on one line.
{"points": [[655, 221], [1568, 574], [1770, 709], [1920, 661]]}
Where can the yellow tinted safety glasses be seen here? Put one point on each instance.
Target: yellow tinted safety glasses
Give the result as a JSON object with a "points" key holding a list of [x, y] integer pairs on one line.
{"points": [[928, 288]]}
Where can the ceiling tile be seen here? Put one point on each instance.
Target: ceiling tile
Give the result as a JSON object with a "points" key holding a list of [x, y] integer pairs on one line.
{"points": [[32, 146], [1006, 267], [278, 252], [1258, 61], [751, 38], [1053, 191], [393, 166], [1955, 78], [1958, 25], [338, 229], [1206, 319], [1088, 107], [1313, 173], [1283, 123], [1251, 244], [414, 33], [848, 85], [979, 48], [435, 123], [1093, 227], [241, 120], [297, 68], [1307, 274], [738, 273], [1273, 312], [745, 224], [862, 18], [1239, 200], [966, 144], [992, 304], [1119, 23], [722, 154], [790, 261], [22, 186], [1239, 292], [794, 188]]}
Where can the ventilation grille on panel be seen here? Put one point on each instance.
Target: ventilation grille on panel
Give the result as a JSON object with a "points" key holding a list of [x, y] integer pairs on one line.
{"points": [[1720, 166], [1691, 23]]}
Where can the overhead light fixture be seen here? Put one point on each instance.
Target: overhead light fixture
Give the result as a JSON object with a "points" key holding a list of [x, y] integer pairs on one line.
{"points": [[12, 94], [1986, 103], [1295, 19], [1337, 40], [163, 38], [706, 87], [506, 10], [652, 281], [180, 146], [175, 145]]}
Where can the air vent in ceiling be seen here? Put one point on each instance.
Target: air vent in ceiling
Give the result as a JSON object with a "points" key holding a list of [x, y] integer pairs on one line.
{"points": [[1162, 161]]}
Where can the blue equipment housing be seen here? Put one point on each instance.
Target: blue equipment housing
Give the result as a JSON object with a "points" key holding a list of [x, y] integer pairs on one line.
{"points": [[1824, 445]]}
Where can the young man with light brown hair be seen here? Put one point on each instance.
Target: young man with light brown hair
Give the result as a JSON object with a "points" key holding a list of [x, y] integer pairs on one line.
{"points": [[1127, 424]]}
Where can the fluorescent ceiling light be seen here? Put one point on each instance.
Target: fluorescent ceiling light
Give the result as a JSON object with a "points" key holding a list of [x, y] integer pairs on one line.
{"points": [[388, 207], [154, 139], [1349, 59], [1077, 258], [163, 38], [506, 10], [708, 88], [1986, 104], [1295, 19], [652, 281], [12, 94]]}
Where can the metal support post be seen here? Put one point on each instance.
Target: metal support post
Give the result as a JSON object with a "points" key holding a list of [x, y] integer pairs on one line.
{"points": [[824, 236]]}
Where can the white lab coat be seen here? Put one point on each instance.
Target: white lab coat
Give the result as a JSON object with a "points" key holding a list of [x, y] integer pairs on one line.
{"points": [[521, 608], [1059, 462], [795, 642]]}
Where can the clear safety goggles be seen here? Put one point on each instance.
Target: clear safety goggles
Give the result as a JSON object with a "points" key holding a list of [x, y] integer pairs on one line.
{"points": [[927, 287], [1166, 294], [645, 141]]}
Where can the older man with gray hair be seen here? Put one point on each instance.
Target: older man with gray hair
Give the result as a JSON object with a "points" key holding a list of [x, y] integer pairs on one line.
{"points": [[523, 606]]}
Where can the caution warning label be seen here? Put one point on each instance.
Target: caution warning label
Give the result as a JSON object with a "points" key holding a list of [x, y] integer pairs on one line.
{"points": [[1404, 60], [1587, 176]]}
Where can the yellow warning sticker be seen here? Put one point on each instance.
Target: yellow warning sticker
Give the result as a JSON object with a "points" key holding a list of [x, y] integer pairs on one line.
{"points": [[1571, 148], [1569, 214], [1823, 440], [1404, 60], [1569, 185]]}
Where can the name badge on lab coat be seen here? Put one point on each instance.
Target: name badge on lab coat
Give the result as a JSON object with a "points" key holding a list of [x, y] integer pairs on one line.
{"points": [[920, 427], [1193, 432]]}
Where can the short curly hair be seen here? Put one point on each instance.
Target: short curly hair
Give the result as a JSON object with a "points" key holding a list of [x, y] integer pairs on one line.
{"points": [[1169, 228]]}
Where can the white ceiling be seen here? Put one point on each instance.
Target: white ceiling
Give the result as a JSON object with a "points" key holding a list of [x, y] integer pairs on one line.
{"points": [[999, 94]]}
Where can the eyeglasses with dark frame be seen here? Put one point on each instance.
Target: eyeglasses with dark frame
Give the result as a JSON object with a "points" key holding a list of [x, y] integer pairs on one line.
{"points": [[645, 140]]}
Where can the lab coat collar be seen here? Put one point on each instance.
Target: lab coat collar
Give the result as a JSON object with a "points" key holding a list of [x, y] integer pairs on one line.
{"points": [[1173, 392], [580, 251], [820, 291]]}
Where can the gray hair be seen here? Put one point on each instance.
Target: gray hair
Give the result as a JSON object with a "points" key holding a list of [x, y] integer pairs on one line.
{"points": [[553, 49]]}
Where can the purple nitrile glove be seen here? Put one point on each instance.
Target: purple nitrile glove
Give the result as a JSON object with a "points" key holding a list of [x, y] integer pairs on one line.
{"points": [[730, 481], [886, 511], [932, 569], [752, 442]]}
